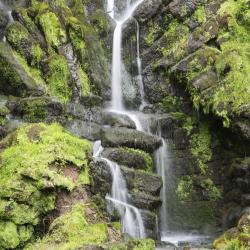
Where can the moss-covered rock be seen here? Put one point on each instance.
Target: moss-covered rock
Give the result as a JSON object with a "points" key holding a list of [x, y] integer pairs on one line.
{"points": [[236, 238], [130, 157], [59, 78], [16, 77], [33, 160]]}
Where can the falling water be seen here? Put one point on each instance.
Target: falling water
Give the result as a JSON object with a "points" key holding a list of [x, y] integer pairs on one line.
{"points": [[162, 164], [141, 86], [132, 222]]}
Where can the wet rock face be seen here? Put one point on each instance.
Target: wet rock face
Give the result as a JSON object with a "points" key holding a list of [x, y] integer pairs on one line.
{"points": [[129, 138], [143, 187]]}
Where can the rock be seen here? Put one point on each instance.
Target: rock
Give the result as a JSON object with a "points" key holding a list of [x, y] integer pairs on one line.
{"points": [[14, 79], [245, 200], [102, 178], [205, 80], [35, 109], [114, 137], [144, 201], [118, 120], [79, 111], [183, 8], [203, 34], [142, 181], [3, 22], [147, 9], [242, 128], [91, 101], [148, 183], [244, 222], [129, 157], [84, 129], [150, 223]]}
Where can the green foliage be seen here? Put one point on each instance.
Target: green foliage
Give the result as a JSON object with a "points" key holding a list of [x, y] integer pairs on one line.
{"points": [[184, 188], [59, 78], [146, 157], [200, 15], [85, 83], [200, 144], [71, 230], [32, 72], [54, 33], [177, 39], [213, 192], [32, 161], [144, 244], [170, 103], [152, 33], [34, 109], [37, 54]]}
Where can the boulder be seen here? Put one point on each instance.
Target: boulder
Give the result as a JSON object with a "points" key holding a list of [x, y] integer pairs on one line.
{"points": [[144, 201], [84, 129], [118, 120], [114, 137], [14, 79], [129, 157]]}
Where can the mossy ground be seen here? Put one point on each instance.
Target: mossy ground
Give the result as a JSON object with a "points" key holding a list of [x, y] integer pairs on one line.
{"points": [[32, 162]]}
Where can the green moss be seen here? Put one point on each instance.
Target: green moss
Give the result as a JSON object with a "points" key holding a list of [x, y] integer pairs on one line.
{"points": [[200, 144], [17, 34], [152, 33], [170, 103], [34, 109], [32, 161], [71, 230], [9, 237], [76, 33], [184, 189], [55, 35], [147, 159], [144, 244], [59, 78], [200, 15], [177, 40], [85, 83], [32, 72], [37, 54], [232, 91]]}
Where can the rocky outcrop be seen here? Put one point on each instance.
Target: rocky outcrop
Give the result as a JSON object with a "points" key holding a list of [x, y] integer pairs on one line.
{"points": [[129, 138]]}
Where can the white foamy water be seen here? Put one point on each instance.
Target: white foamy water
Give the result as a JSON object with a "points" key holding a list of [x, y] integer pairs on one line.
{"points": [[131, 219]]}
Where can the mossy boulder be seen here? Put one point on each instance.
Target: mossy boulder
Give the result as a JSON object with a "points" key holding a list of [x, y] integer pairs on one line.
{"points": [[130, 157], [34, 160], [71, 231], [23, 42], [113, 137], [15, 79]]}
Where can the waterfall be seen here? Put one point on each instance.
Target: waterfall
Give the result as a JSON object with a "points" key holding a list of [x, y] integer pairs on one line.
{"points": [[162, 164], [132, 222]]}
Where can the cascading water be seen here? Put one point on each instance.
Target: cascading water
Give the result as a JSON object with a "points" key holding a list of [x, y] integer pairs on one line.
{"points": [[162, 164], [131, 218]]}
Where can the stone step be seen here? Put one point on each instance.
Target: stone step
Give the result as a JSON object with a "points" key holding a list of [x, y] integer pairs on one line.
{"points": [[124, 137]]}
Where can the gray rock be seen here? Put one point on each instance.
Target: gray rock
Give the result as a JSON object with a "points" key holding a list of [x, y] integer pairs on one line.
{"points": [[88, 130], [130, 158], [118, 120], [114, 137], [245, 200], [145, 201]]}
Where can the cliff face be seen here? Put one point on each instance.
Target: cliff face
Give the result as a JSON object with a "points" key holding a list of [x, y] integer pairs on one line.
{"points": [[55, 62]]}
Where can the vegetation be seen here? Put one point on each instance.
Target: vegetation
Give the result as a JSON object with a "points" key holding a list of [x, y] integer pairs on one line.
{"points": [[32, 161]]}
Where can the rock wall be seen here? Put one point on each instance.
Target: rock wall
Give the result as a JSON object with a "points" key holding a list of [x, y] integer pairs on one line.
{"points": [[55, 67]]}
